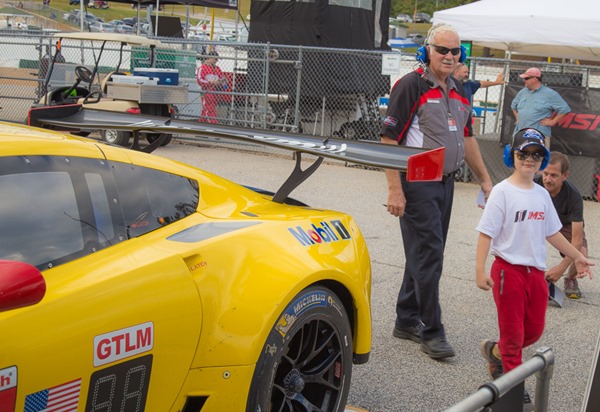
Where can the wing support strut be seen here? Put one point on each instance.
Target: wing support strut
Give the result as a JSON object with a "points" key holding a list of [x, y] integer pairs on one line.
{"points": [[296, 178]]}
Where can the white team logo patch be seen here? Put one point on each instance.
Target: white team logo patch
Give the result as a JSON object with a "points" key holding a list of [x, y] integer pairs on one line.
{"points": [[123, 343]]}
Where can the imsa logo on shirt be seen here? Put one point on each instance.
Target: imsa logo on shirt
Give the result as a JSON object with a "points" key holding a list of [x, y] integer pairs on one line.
{"points": [[522, 215]]}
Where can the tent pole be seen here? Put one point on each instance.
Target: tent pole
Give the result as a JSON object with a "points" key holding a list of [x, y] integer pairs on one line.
{"points": [[156, 19], [138, 18], [81, 11], [237, 23], [187, 22], [212, 24]]}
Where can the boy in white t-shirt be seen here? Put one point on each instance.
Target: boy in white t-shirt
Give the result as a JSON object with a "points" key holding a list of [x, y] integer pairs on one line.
{"points": [[518, 217]]}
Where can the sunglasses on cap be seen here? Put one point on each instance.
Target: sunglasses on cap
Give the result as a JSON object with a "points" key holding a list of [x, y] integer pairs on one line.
{"points": [[444, 50], [527, 78], [536, 156]]}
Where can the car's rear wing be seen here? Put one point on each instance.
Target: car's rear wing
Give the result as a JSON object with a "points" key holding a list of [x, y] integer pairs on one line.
{"points": [[419, 164]]}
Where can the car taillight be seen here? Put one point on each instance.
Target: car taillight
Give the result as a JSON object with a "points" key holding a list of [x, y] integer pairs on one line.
{"points": [[134, 110]]}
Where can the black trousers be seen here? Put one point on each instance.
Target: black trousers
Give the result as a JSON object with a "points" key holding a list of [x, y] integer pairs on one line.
{"points": [[424, 229]]}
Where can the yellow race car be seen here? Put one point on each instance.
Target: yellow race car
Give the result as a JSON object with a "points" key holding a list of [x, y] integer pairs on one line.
{"points": [[130, 282]]}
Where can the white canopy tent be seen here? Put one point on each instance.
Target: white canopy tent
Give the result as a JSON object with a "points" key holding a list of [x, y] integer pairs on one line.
{"points": [[549, 28]]}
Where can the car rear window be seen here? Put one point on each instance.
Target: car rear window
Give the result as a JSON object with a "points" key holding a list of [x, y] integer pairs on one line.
{"points": [[41, 216], [152, 198], [55, 209]]}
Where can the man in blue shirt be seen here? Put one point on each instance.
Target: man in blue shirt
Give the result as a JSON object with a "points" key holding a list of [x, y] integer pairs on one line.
{"points": [[537, 106], [461, 73]]}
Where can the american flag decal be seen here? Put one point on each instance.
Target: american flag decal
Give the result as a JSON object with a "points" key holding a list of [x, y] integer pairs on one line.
{"points": [[390, 121], [63, 398]]}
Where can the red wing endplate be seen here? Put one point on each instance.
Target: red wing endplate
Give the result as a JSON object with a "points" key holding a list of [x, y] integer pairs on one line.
{"points": [[419, 164]]}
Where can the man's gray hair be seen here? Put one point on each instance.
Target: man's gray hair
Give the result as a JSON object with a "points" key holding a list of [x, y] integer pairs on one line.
{"points": [[440, 28]]}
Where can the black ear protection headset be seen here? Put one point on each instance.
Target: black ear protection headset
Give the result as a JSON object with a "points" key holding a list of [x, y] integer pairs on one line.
{"points": [[423, 56]]}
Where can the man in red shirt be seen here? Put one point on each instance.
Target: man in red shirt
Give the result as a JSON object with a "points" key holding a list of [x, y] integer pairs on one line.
{"points": [[429, 109], [210, 78]]}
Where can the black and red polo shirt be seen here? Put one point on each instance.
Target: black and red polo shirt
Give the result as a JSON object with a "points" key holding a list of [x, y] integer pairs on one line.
{"points": [[438, 119]]}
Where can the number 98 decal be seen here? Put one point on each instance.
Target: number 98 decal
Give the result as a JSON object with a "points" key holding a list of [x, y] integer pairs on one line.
{"points": [[122, 387]]}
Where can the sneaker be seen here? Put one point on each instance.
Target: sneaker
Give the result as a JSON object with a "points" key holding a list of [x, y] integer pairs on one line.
{"points": [[572, 290], [413, 333], [437, 348], [527, 404], [495, 368]]}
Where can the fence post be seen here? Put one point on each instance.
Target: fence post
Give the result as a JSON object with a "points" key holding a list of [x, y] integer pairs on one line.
{"points": [[541, 364], [298, 67], [543, 376], [266, 85]]}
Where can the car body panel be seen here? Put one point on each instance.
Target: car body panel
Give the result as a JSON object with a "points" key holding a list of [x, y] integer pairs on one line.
{"points": [[267, 284], [73, 313], [186, 307]]}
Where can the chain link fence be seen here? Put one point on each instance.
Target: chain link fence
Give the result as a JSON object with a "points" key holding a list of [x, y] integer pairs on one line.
{"points": [[326, 92], [578, 84]]}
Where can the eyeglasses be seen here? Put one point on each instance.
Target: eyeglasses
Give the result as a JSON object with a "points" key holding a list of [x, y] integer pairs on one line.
{"points": [[536, 156], [444, 50], [527, 78]]}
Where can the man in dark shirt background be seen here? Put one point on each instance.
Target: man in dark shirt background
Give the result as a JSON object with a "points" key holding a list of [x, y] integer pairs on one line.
{"points": [[569, 205]]}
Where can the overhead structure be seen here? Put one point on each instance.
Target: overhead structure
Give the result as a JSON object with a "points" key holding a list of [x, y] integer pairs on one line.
{"points": [[360, 24], [548, 28], [218, 4], [12, 13], [320, 26]]}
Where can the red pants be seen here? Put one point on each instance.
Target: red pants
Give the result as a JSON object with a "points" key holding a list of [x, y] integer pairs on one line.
{"points": [[521, 296], [209, 108]]}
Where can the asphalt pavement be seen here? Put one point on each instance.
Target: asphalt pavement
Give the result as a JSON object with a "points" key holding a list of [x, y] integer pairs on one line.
{"points": [[399, 377]]}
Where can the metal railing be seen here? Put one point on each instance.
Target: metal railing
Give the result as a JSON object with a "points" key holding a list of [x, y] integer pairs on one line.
{"points": [[541, 364]]}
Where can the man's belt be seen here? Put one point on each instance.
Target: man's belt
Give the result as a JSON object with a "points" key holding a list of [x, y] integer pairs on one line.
{"points": [[447, 176]]}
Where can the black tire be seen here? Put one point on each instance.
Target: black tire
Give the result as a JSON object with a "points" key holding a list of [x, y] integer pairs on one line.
{"points": [[117, 137], [306, 362], [152, 137]]}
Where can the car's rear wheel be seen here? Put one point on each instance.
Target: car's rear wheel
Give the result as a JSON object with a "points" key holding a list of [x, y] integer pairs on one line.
{"points": [[306, 362], [118, 137]]}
